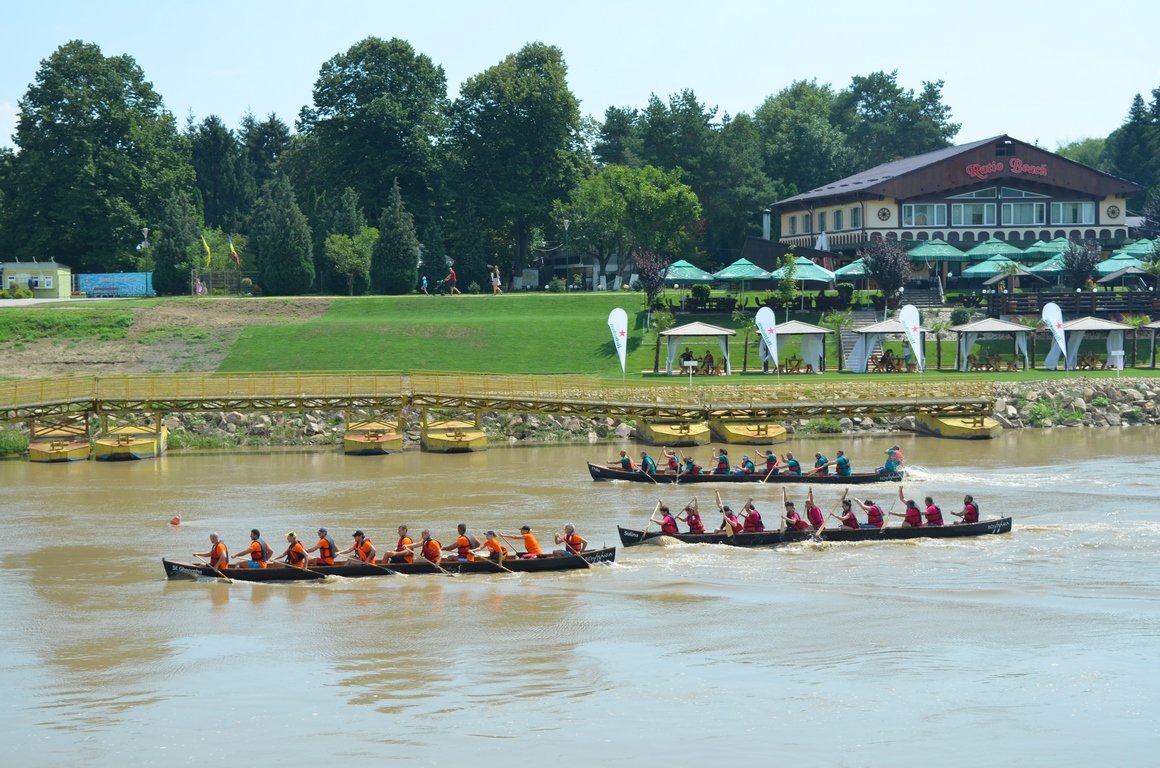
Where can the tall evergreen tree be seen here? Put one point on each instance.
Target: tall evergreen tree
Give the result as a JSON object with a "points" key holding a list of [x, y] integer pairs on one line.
{"points": [[1130, 150], [227, 189], [395, 259], [176, 244], [282, 241], [348, 216], [265, 142]]}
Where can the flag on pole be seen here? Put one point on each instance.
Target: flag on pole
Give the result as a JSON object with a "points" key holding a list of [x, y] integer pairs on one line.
{"points": [[767, 328], [234, 254], [208, 255], [908, 316], [618, 324], [1053, 318]]}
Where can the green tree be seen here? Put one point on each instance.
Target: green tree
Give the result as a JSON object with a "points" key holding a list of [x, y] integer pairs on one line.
{"points": [[1131, 150], [175, 244], [1079, 259], [395, 260], [618, 141], [887, 265], [265, 143], [282, 241], [882, 120], [801, 146], [99, 157], [349, 258], [515, 141], [226, 187], [381, 100], [787, 283], [1089, 151]]}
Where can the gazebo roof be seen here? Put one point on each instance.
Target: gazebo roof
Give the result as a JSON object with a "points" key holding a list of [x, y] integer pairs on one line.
{"points": [[684, 272], [1094, 324], [798, 328], [991, 325], [856, 268], [698, 329], [893, 325], [991, 248], [935, 249]]}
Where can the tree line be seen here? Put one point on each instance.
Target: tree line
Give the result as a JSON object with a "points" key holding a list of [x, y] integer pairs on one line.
{"points": [[383, 174]]}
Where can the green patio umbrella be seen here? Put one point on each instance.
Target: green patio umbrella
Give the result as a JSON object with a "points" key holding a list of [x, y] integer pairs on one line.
{"points": [[805, 271], [1040, 248], [684, 272], [935, 250], [1051, 266], [740, 271], [989, 268], [1116, 263], [855, 269], [993, 247], [1141, 248]]}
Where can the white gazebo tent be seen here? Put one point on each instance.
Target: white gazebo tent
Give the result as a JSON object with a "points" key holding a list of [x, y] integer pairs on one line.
{"points": [[870, 336], [1075, 330], [681, 334], [813, 342], [1152, 326], [969, 333]]}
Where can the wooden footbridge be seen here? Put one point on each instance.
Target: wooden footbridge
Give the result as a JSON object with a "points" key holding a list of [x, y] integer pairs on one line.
{"points": [[71, 400]]}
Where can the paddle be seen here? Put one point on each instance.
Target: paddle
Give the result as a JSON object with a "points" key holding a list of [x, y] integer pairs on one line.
{"points": [[650, 520], [441, 568], [727, 525], [313, 574], [215, 570], [496, 563]]}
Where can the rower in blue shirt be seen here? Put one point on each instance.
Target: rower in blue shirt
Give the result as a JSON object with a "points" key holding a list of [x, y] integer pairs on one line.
{"points": [[792, 465], [648, 464], [842, 465]]}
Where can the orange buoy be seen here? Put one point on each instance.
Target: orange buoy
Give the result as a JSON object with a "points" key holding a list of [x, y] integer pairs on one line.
{"points": [[175, 520]]}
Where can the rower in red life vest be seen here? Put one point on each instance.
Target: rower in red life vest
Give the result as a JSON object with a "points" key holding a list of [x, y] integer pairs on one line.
{"points": [[691, 515], [573, 542], [874, 516], [814, 512], [912, 517], [674, 464], [691, 467], [752, 518], [722, 467], [429, 549], [667, 521], [791, 518], [295, 553], [259, 551], [219, 556], [771, 463], [848, 518], [730, 524], [403, 552], [463, 545], [970, 513], [933, 513], [746, 466]]}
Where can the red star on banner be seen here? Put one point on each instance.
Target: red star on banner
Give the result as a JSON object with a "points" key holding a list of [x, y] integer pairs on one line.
{"points": [[621, 333], [769, 330]]}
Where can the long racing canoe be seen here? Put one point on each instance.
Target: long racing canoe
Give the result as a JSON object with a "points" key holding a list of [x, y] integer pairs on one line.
{"points": [[181, 570], [630, 537], [603, 472]]}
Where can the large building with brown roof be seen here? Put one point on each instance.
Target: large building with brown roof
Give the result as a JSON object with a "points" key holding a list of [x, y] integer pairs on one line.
{"points": [[998, 188]]}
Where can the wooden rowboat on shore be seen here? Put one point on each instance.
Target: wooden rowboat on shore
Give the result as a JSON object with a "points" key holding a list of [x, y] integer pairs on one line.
{"points": [[603, 472], [175, 569], [630, 537]]}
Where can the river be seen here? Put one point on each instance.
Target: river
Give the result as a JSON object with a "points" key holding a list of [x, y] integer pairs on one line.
{"points": [[1037, 647]]}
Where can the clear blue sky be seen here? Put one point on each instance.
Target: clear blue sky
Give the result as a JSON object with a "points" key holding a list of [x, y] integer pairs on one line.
{"points": [[1041, 71]]}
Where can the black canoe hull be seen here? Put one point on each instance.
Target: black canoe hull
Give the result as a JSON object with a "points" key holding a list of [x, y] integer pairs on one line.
{"points": [[631, 538], [600, 472], [180, 570]]}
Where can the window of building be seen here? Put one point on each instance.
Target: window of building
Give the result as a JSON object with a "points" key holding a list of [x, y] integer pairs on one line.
{"points": [[1024, 214], [793, 225], [838, 223], [46, 281], [924, 215], [988, 192], [855, 218], [822, 221], [1012, 192], [1005, 149], [1073, 213], [807, 224], [973, 215]]}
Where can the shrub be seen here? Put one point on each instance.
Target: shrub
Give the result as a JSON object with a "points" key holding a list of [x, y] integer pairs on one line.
{"points": [[473, 287], [845, 295], [822, 426], [557, 285], [12, 442], [700, 292], [960, 315]]}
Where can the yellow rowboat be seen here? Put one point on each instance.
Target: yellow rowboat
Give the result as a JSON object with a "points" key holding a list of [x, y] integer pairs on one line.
{"points": [[452, 437], [371, 438], [131, 442], [747, 432], [673, 434], [56, 445], [971, 428]]}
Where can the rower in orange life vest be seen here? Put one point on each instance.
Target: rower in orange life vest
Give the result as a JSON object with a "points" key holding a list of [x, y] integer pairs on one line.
{"points": [[219, 556], [363, 548], [531, 546], [691, 515], [667, 521], [326, 549], [792, 519], [933, 513], [751, 518], [624, 462], [295, 554], [970, 513], [259, 551], [492, 547], [429, 549], [463, 545], [874, 516], [912, 517], [403, 552], [573, 542]]}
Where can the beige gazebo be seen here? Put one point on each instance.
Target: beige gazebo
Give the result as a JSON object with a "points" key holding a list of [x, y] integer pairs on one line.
{"points": [[682, 334]]}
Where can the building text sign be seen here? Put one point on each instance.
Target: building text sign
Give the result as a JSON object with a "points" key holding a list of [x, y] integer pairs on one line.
{"points": [[983, 171]]}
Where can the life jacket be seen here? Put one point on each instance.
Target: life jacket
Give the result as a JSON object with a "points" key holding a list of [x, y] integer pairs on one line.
{"points": [[296, 553], [734, 523], [219, 556], [815, 516], [626, 464], [795, 467], [753, 522], [408, 555], [850, 520], [971, 513], [795, 521], [748, 467], [432, 550], [363, 551], [695, 524], [463, 548], [820, 466], [674, 465], [842, 466], [572, 543], [874, 516], [770, 463], [692, 469], [327, 550], [263, 554], [934, 517], [914, 517], [722, 464], [669, 525]]}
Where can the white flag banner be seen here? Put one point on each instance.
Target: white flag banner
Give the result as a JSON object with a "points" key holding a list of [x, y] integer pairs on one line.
{"points": [[618, 324], [1053, 319], [908, 316], [767, 327]]}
